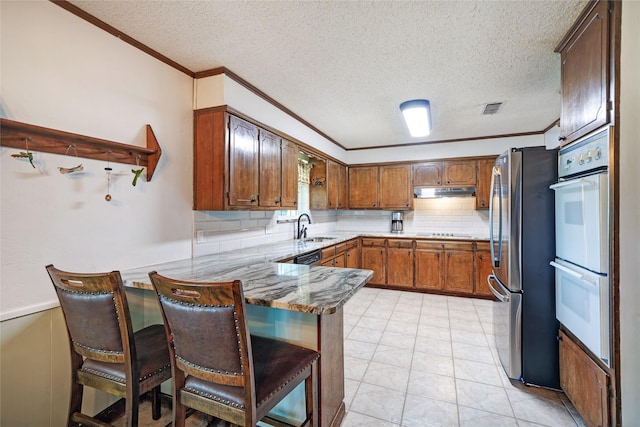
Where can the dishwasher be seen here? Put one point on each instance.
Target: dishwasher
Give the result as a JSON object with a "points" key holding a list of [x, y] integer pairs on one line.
{"points": [[309, 258]]}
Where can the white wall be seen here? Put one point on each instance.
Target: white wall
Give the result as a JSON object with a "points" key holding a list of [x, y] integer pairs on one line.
{"points": [[630, 214], [61, 72]]}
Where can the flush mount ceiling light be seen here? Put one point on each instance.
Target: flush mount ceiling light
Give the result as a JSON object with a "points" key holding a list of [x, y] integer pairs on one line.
{"points": [[417, 115]]}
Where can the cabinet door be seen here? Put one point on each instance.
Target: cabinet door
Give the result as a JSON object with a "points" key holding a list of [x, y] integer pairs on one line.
{"points": [[270, 170], [318, 185], [340, 261], [342, 187], [375, 258], [353, 258], [483, 186], [363, 187], [483, 270], [289, 196], [243, 163], [427, 174], [209, 148], [395, 187], [460, 172], [585, 76], [458, 271], [429, 266], [584, 382], [400, 267], [336, 185]]}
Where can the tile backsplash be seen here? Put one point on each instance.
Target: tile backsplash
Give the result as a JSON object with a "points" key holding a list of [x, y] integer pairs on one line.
{"points": [[224, 231], [440, 215]]}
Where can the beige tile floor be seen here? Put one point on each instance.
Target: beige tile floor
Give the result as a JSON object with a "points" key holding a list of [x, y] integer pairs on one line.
{"points": [[429, 360], [414, 360]]}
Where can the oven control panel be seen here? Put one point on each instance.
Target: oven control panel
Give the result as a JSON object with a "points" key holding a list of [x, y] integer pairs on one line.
{"points": [[585, 155]]}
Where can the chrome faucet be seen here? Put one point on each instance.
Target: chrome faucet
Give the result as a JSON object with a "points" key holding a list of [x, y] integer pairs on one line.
{"points": [[302, 232]]}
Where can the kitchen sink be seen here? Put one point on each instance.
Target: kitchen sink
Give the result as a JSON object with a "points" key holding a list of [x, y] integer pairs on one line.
{"points": [[317, 239]]}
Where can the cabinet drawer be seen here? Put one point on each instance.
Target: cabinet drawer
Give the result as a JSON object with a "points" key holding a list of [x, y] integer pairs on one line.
{"points": [[400, 243], [483, 246], [429, 244], [328, 252], [373, 242], [458, 246], [352, 244], [340, 248]]}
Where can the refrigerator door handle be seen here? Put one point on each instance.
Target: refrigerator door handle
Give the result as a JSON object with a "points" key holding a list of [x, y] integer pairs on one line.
{"points": [[501, 297], [496, 183]]}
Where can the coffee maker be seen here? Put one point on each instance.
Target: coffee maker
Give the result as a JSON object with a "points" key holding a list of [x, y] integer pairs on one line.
{"points": [[396, 222]]}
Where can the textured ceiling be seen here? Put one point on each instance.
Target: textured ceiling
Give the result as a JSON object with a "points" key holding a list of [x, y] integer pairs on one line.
{"points": [[345, 66]]}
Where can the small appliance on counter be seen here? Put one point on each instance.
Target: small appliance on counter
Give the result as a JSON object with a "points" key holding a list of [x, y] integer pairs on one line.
{"points": [[396, 222]]}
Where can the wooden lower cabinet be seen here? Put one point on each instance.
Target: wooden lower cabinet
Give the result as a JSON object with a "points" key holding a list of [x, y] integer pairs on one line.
{"points": [[429, 265], [400, 259], [353, 254], [458, 270], [374, 257], [483, 269], [584, 382]]}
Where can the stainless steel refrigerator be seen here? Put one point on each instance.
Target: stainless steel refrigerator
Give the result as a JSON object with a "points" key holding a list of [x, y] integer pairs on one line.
{"points": [[522, 234]]}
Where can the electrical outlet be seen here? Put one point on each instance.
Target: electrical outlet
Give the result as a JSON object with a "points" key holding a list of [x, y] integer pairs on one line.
{"points": [[199, 236]]}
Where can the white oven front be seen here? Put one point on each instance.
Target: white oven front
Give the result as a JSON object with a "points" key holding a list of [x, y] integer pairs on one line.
{"points": [[582, 222], [582, 306]]}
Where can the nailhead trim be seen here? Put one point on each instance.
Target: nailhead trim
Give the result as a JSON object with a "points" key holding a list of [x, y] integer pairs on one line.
{"points": [[97, 350], [215, 398], [118, 379], [203, 368]]}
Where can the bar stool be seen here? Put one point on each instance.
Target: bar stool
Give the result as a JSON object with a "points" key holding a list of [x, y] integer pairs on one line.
{"points": [[105, 352], [218, 368]]}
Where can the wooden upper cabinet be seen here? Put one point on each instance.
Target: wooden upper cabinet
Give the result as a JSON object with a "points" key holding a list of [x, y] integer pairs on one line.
{"points": [[427, 174], [395, 187], [363, 187], [459, 172], [238, 165], [209, 154], [289, 155], [270, 170], [243, 163], [336, 185], [483, 183], [584, 59], [447, 173]]}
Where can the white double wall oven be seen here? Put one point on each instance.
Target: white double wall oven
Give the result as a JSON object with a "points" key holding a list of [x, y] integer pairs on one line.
{"points": [[582, 242]]}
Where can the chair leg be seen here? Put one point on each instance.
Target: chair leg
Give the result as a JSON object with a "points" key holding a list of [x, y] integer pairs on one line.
{"points": [[156, 408], [75, 404], [311, 395], [132, 402], [179, 411]]}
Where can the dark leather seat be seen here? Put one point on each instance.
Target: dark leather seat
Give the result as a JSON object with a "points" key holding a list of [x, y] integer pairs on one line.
{"points": [[218, 368], [105, 352]]}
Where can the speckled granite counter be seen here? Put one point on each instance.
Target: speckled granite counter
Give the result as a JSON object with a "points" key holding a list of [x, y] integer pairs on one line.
{"points": [[316, 290]]}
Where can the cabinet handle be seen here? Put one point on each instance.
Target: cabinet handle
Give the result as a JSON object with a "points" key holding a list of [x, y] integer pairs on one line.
{"points": [[295, 202], [562, 138]]}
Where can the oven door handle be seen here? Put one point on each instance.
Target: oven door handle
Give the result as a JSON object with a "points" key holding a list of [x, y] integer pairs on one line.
{"points": [[579, 181], [501, 297], [573, 273]]}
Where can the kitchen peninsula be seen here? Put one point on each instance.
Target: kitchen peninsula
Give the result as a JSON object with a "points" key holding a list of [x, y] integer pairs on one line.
{"points": [[297, 303]]}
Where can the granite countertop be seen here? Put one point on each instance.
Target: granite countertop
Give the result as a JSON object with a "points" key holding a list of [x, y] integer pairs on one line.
{"points": [[266, 282]]}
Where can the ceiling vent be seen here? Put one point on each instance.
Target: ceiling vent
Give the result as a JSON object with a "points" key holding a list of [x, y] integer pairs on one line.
{"points": [[492, 108]]}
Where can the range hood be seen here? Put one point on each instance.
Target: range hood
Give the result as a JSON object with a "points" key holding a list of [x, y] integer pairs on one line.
{"points": [[433, 192]]}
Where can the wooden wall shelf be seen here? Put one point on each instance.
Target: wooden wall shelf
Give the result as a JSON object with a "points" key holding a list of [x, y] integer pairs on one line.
{"points": [[16, 135]]}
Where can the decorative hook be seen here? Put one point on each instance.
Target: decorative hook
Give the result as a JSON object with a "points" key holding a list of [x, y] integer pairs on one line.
{"points": [[136, 172], [25, 155], [78, 168], [108, 172]]}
